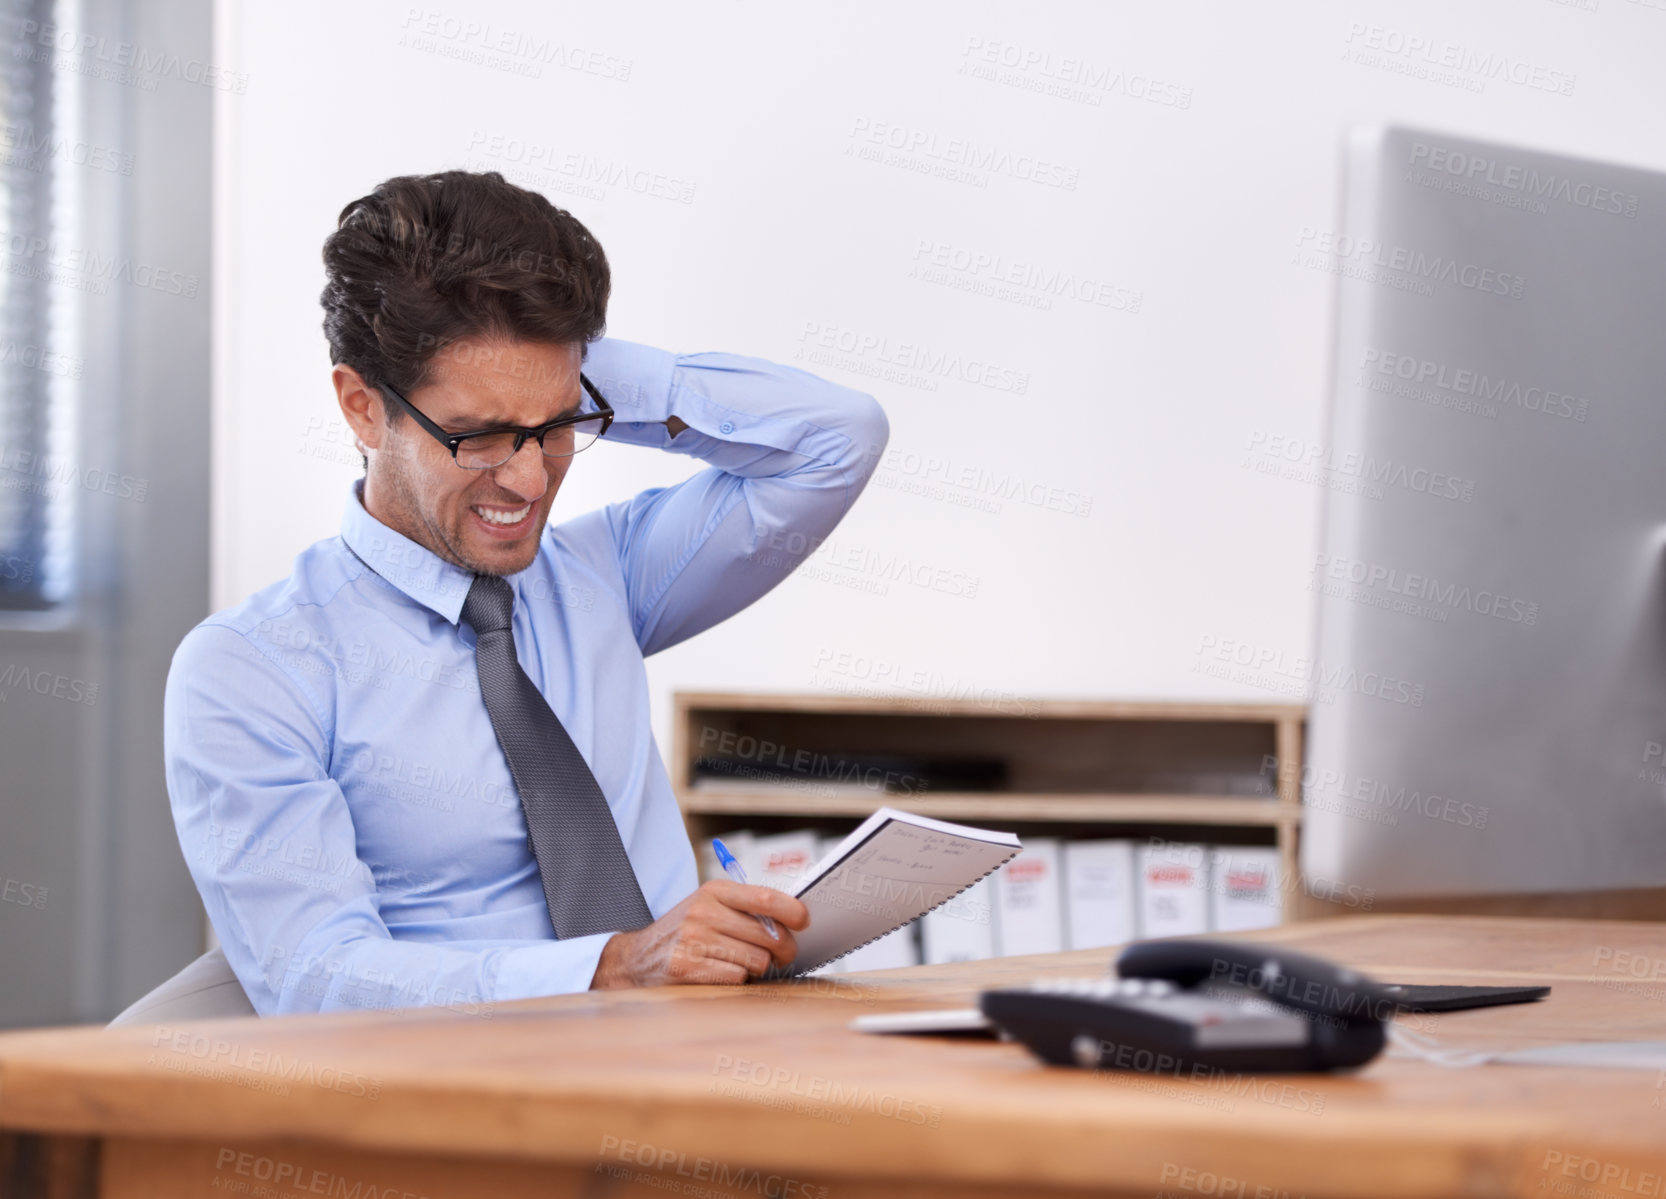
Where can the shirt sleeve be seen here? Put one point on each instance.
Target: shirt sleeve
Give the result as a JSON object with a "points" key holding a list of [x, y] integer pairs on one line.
{"points": [[787, 455], [269, 840]]}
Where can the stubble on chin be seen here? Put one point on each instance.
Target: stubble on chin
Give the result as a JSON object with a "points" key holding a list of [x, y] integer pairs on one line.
{"points": [[446, 538], [501, 566]]}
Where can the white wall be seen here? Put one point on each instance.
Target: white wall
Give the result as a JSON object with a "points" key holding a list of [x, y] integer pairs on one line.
{"points": [[1188, 201]]}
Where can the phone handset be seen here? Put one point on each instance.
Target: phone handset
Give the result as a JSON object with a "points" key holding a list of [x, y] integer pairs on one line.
{"points": [[1180, 1005]]}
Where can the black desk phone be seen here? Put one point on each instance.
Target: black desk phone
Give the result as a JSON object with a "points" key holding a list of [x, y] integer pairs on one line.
{"points": [[1193, 1004]]}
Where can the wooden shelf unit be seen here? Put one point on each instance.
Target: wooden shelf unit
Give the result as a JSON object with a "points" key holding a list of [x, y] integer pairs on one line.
{"points": [[1080, 768]]}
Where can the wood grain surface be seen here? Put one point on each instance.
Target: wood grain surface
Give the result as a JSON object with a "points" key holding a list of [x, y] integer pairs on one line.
{"points": [[720, 1089]]}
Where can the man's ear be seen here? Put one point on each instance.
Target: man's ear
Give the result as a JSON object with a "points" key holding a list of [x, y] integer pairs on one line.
{"points": [[361, 406]]}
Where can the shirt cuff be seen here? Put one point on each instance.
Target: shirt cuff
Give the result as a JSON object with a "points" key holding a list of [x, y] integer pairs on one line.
{"points": [[636, 380], [557, 968], [652, 384]]}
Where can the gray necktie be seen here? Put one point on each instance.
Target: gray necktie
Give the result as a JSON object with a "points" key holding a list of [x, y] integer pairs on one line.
{"points": [[588, 880]]}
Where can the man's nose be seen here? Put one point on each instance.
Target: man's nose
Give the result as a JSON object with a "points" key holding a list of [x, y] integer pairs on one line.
{"points": [[527, 471]]}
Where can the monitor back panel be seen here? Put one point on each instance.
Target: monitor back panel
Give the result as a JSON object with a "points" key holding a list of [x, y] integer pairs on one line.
{"points": [[1489, 675]]}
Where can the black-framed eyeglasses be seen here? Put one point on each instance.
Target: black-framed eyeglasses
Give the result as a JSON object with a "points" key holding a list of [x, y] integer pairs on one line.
{"points": [[483, 449]]}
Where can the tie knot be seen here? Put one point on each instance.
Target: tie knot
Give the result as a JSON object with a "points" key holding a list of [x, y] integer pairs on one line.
{"points": [[490, 605]]}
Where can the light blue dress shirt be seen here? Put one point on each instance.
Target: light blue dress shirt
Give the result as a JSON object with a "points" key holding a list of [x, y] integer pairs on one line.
{"points": [[340, 796]]}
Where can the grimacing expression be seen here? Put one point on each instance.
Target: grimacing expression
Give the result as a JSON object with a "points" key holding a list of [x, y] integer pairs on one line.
{"points": [[485, 521]]}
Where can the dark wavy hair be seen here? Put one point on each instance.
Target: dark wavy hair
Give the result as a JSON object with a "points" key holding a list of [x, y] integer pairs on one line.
{"points": [[426, 260]]}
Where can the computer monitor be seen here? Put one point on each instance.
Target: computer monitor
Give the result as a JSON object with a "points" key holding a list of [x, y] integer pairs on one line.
{"points": [[1488, 681]]}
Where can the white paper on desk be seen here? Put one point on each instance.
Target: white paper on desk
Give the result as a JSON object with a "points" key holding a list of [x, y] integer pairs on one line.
{"points": [[1628, 1055], [1614, 1055], [892, 870]]}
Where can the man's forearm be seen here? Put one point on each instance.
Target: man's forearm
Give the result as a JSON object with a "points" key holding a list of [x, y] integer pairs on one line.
{"points": [[378, 972], [790, 452], [748, 416]]}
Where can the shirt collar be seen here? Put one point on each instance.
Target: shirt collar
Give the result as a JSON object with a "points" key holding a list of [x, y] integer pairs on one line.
{"points": [[413, 569]]}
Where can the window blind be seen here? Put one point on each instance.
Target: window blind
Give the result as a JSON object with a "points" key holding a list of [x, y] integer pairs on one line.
{"points": [[36, 491]]}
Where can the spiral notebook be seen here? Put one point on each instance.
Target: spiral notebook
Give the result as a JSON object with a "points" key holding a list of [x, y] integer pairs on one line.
{"points": [[891, 871]]}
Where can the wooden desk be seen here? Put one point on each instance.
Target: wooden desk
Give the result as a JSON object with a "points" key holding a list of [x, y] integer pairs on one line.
{"points": [[690, 1091]]}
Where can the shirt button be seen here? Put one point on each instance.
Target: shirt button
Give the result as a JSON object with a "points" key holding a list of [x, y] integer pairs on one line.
{"points": [[727, 426], [636, 424]]}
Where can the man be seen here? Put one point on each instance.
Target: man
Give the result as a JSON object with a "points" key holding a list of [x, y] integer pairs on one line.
{"points": [[420, 770]]}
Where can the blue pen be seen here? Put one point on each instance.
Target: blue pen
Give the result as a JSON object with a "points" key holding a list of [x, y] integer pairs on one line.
{"points": [[732, 868]]}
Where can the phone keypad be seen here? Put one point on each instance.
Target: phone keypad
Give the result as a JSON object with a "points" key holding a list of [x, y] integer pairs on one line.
{"points": [[1103, 988]]}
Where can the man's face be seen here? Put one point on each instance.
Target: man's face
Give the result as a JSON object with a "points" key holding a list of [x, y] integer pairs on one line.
{"points": [[485, 521]]}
